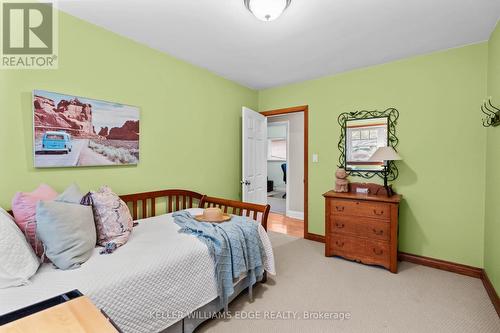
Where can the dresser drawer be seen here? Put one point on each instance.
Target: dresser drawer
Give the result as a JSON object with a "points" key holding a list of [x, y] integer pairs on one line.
{"points": [[377, 252], [362, 208], [343, 225], [347, 246], [359, 249], [374, 229], [362, 227]]}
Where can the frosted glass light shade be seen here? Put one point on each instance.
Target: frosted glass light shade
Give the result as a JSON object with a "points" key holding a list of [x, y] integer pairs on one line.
{"points": [[267, 10], [385, 154]]}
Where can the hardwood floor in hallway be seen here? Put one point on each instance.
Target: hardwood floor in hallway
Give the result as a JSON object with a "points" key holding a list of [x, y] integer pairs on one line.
{"points": [[285, 225]]}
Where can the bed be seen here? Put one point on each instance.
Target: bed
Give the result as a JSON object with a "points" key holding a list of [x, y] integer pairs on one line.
{"points": [[158, 278]]}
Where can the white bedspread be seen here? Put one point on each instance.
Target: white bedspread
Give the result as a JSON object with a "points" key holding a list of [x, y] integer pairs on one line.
{"points": [[159, 272]]}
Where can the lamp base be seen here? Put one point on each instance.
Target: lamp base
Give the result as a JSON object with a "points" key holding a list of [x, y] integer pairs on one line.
{"points": [[389, 192]]}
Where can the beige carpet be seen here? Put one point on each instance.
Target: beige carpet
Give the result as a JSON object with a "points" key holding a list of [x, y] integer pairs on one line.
{"points": [[417, 299]]}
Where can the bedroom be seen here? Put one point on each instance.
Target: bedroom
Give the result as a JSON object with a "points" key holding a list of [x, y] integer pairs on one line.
{"points": [[190, 67]]}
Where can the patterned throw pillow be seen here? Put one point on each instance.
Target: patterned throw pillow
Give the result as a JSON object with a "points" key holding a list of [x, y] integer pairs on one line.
{"points": [[112, 218], [24, 209]]}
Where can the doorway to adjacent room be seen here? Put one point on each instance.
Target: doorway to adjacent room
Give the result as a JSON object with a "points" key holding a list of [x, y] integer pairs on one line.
{"points": [[287, 170], [275, 167], [278, 155]]}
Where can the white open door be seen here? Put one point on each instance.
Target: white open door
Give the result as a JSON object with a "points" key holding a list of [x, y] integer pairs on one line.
{"points": [[254, 157]]}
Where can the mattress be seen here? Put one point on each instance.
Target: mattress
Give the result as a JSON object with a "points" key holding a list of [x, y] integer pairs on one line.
{"points": [[145, 286]]}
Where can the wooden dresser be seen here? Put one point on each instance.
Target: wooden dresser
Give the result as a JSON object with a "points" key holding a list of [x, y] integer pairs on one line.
{"points": [[362, 227]]}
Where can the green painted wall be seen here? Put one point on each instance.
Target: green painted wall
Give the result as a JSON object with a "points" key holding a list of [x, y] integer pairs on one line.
{"points": [[441, 137], [492, 218], [183, 108]]}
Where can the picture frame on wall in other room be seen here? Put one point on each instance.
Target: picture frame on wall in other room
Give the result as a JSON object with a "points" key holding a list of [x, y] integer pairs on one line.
{"points": [[73, 131]]}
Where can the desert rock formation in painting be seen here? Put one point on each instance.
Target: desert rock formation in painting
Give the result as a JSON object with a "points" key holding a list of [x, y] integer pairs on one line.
{"points": [[129, 131], [71, 116], [103, 131]]}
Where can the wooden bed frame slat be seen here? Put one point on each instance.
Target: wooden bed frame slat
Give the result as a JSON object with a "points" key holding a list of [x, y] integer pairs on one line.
{"points": [[134, 210], [144, 208], [169, 204]]}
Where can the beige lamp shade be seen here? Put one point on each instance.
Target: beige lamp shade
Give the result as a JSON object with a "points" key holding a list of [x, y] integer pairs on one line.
{"points": [[385, 154]]}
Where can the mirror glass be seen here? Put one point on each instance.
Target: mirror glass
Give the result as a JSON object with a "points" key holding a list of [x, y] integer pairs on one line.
{"points": [[362, 138]]}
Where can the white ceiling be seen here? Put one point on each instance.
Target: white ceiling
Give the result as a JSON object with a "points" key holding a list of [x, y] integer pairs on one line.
{"points": [[313, 38]]}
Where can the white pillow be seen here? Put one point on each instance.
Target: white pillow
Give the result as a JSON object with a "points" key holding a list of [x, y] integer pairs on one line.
{"points": [[18, 262]]}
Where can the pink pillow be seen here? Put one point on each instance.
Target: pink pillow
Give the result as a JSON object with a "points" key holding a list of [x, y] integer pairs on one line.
{"points": [[24, 209]]}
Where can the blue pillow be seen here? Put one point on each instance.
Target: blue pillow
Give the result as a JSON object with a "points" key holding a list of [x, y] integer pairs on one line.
{"points": [[71, 195], [67, 231]]}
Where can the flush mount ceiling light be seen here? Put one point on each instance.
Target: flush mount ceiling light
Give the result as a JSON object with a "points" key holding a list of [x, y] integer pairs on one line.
{"points": [[267, 10]]}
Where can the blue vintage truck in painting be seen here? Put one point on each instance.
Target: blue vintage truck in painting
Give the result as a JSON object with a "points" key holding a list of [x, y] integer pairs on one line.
{"points": [[56, 141]]}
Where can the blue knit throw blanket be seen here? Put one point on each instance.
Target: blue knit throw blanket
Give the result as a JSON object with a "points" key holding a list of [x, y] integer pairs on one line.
{"points": [[235, 246]]}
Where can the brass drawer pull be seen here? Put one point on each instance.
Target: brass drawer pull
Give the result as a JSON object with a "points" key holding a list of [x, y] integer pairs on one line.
{"points": [[340, 226], [339, 244], [339, 208], [378, 213], [378, 232], [378, 252]]}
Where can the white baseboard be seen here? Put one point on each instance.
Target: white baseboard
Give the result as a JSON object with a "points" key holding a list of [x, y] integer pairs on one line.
{"points": [[295, 214]]}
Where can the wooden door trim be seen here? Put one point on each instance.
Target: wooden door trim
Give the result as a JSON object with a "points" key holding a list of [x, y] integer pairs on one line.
{"points": [[305, 110], [302, 108]]}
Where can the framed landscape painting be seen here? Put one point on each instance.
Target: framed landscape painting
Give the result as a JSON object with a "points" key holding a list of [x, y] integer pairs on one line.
{"points": [[71, 131]]}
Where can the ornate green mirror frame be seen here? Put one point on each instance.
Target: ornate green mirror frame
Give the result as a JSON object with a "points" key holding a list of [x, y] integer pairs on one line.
{"points": [[362, 133]]}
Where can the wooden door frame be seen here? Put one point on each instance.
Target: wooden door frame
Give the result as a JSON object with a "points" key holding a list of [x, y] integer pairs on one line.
{"points": [[305, 109]]}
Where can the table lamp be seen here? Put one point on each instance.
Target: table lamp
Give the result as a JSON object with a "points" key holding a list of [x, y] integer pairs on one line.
{"points": [[386, 155]]}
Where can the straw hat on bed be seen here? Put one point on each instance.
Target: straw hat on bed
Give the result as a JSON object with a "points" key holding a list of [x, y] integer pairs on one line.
{"points": [[213, 215]]}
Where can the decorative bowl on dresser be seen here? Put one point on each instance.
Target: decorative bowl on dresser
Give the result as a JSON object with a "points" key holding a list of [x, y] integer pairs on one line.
{"points": [[363, 227]]}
